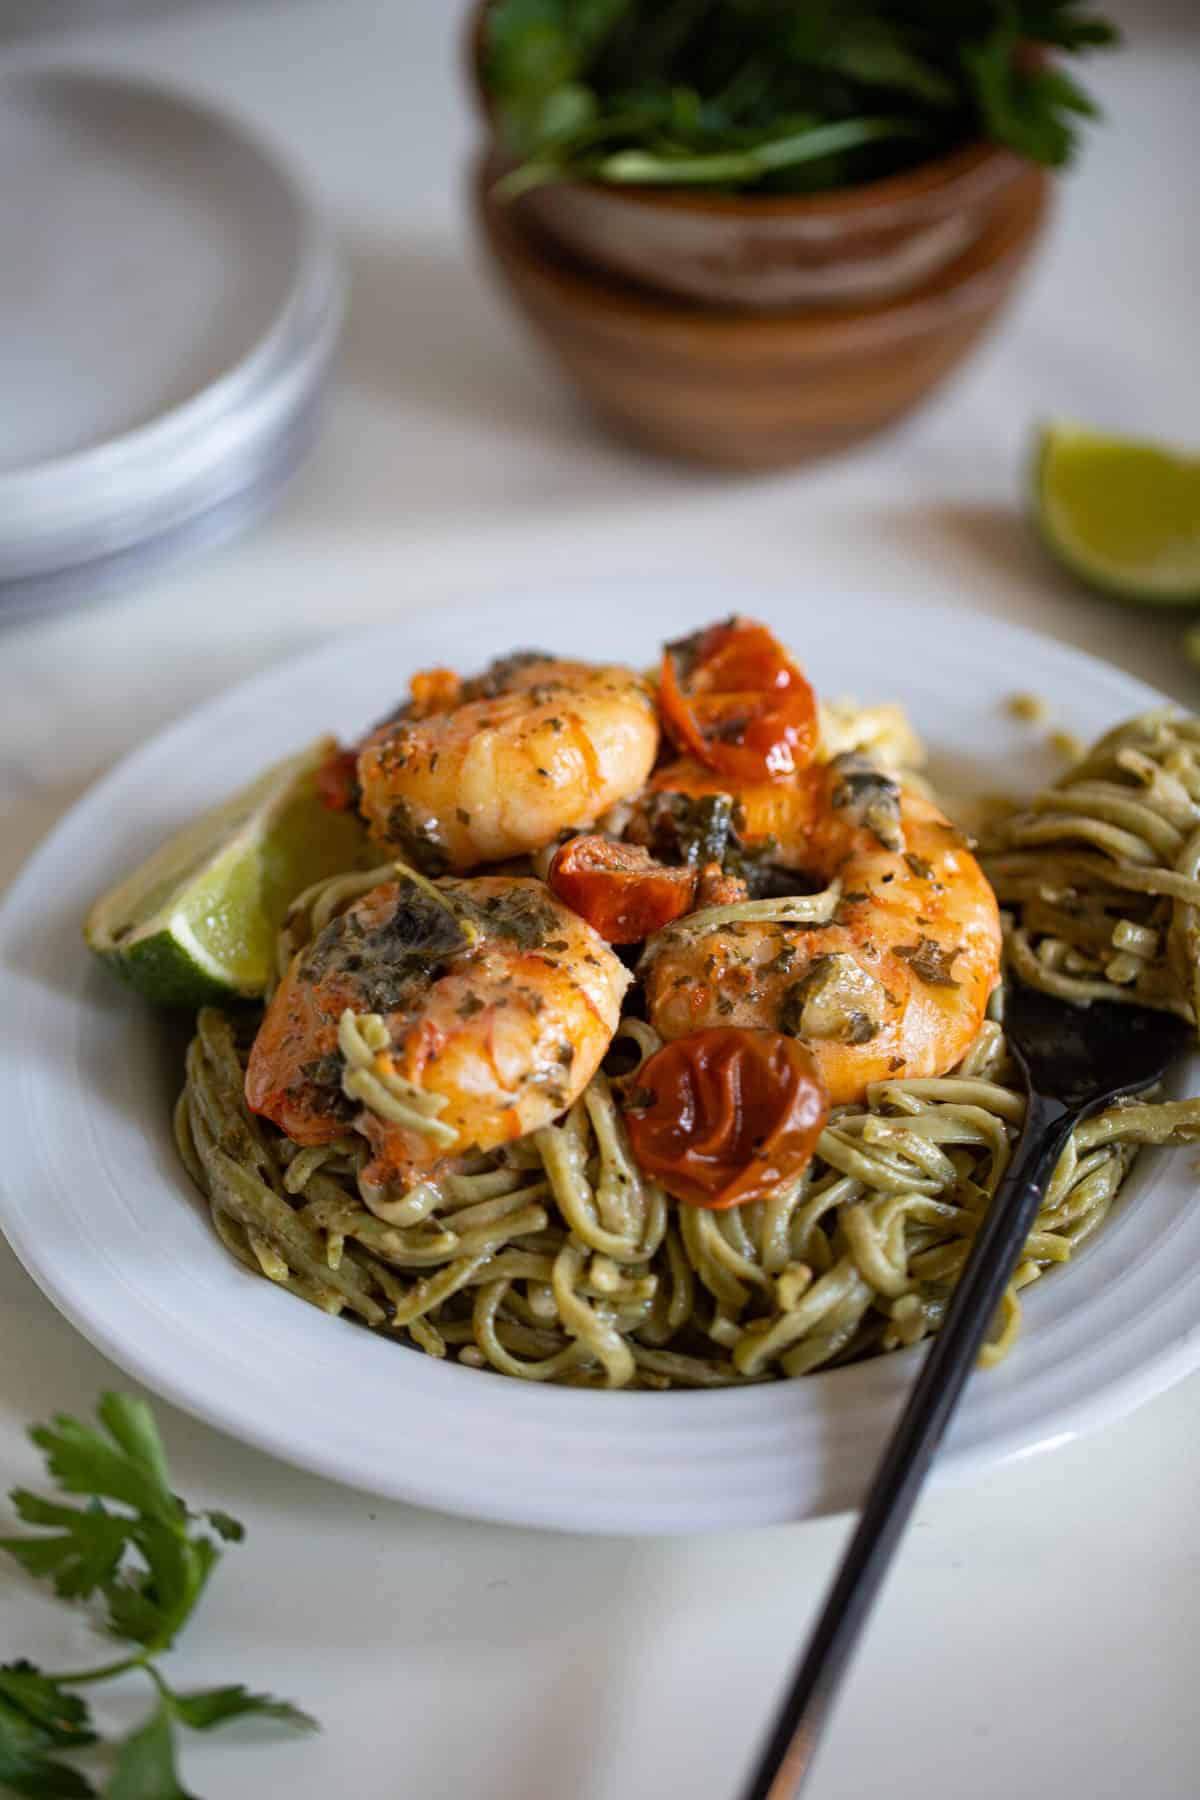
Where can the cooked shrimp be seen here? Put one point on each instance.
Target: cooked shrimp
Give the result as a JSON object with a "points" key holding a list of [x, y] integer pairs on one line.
{"points": [[895, 984], [436, 1019], [473, 772]]}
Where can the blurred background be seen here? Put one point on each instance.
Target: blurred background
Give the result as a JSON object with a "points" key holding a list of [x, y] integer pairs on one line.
{"points": [[455, 458]]}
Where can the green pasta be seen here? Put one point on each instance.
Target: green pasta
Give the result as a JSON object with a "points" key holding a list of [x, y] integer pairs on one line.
{"points": [[526, 1265], [1101, 873]]}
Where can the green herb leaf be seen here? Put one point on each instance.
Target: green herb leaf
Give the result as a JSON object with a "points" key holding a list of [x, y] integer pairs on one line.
{"points": [[874, 52], [37, 1717], [40, 1777], [930, 961], [226, 1526], [83, 1462], [529, 47], [1056, 22], [81, 1557], [151, 1607], [87, 1550], [150, 1565], [1030, 110], [637, 167], [131, 1424], [61, 1717], [723, 92], [215, 1706], [131, 1615], [145, 1767], [564, 113]]}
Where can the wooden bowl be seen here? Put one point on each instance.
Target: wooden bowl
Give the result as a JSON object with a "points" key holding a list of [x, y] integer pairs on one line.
{"points": [[759, 254], [756, 391], [756, 252]]}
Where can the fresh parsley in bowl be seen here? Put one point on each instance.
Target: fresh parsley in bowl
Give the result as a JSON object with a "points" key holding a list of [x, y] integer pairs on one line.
{"points": [[772, 97]]}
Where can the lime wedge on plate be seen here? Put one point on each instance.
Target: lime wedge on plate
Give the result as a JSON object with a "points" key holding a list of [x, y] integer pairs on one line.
{"points": [[1123, 516], [197, 921]]}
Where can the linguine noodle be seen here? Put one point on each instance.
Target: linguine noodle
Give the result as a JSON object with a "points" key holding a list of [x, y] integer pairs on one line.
{"points": [[1102, 872]]}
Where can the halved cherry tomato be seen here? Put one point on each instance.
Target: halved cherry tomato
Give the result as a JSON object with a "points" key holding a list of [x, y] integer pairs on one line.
{"points": [[621, 890], [733, 697], [337, 780], [725, 1116]]}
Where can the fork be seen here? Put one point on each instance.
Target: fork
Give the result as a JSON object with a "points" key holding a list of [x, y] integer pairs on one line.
{"points": [[1074, 1061]]}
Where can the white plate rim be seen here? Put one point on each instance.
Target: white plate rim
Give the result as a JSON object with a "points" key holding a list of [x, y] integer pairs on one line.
{"points": [[68, 511], [650, 1463]]}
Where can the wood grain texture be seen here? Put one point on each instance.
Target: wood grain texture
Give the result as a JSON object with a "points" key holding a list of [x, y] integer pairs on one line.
{"points": [[756, 390], [754, 253]]}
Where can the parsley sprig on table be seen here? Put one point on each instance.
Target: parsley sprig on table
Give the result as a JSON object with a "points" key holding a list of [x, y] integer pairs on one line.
{"points": [[146, 1557], [782, 96]]}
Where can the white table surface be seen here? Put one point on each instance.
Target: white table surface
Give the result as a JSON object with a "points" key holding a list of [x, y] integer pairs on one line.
{"points": [[1038, 1632]]}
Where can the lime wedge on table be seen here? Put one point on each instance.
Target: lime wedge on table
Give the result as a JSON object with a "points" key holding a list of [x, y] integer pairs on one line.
{"points": [[197, 921], [1123, 516]]}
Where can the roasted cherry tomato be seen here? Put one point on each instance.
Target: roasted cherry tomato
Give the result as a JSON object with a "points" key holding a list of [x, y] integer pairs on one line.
{"points": [[620, 890], [734, 698], [337, 780], [725, 1116]]}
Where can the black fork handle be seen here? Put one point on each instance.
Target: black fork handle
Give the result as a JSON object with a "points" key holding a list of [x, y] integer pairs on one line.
{"points": [[788, 1754]]}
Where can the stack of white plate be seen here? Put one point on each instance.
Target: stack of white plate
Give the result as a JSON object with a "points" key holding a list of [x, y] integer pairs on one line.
{"points": [[169, 303]]}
